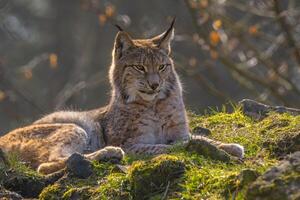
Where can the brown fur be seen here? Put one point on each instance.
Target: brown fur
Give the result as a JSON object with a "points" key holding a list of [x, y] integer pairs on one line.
{"points": [[146, 113]]}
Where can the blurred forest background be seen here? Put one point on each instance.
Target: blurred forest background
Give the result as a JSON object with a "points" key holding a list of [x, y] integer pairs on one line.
{"points": [[55, 54]]}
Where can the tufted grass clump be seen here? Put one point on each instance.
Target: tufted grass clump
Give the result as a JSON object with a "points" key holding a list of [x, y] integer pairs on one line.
{"points": [[148, 178], [114, 186], [209, 179], [256, 136], [17, 176], [15, 163]]}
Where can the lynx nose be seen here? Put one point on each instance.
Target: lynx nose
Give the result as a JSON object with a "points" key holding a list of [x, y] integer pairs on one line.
{"points": [[153, 81], [154, 86]]}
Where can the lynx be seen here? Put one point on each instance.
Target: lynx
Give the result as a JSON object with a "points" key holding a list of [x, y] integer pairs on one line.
{"points": [[145, 115]]}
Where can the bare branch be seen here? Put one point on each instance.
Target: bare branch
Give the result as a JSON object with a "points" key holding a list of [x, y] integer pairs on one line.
{"points": [[232, 66], [287, 30], [74, 89], [8, 84]]}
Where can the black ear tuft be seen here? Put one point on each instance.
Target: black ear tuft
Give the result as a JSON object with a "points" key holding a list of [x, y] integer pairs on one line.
{"points": [[119, 27], [167, 33], [163, 41]]}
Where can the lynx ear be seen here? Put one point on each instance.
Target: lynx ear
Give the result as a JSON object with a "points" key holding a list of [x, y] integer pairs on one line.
{"points": [[163, 41], [122, 43]]}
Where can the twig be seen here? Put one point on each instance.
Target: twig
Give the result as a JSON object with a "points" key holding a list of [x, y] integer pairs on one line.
{"points": [[263, 59], [78, 72], [212, 89], [4, 6], [8, 84], [63, 98], [23, 96], [274, 46], [35, 61], [287, 30], [252, 10], [254, 78], [232, 66], [270, 65], [166, 191]]}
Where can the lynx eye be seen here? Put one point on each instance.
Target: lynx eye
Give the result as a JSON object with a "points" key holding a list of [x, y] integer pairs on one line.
{"points": [[140, 68], [162, 67]]}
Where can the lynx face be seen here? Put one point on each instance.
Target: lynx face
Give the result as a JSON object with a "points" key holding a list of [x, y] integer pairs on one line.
{"points": [[142, 69], [146, 72]]}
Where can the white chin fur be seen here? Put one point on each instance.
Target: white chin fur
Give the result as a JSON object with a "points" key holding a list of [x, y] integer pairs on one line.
{"points": [[147, 97]]}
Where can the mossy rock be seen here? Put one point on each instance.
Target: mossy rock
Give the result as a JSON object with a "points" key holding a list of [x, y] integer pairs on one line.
{"points": [[247, 176], [206, 149], [114, 186], [149, 177], [289, 143], [198, 130], [5, 194], [27, 185], [79, 166], [280, 134], [239, 182], [15, 176], [259, 110], [52, 192], [203, 178], [78, 193], [278, 183]]}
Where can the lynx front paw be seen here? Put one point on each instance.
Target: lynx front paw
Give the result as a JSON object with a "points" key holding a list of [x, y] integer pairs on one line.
{"points": [[109, 153], [50, 167], [233, 149]]}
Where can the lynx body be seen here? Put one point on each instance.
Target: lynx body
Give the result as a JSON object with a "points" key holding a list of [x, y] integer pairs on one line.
{"points": [[145, 115]]}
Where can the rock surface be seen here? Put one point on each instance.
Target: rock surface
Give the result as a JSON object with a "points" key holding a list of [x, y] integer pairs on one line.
{"points": [[281, 182], [79, 166], [259, 111], [5, 194], [201, 131], [247, 176], [239, 182], [26, 185], [78, 193], [286, 145]]}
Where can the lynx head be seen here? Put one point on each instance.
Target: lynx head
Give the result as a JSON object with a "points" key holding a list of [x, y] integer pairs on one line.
{"points": [[142, 68]]}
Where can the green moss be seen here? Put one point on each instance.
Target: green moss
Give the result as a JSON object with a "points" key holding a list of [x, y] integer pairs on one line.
{"points": [[16, 176], [51, 192], [236, 185], [69, 193], [102, 169], [149, 177], [280, 133], [210, 179], [279, 183], [78, 193], [274, 191], [256, 137], [247, 176], [114, 187], [20, 167], [203, 178], [207, 181]]}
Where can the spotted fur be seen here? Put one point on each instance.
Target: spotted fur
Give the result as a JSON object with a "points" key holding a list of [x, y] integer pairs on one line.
{"points": [[145, 115]]}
